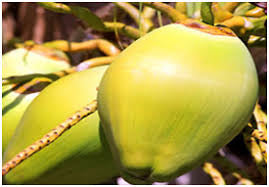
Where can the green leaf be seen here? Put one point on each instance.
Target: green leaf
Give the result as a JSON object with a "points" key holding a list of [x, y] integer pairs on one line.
{"points": [[206, 13], [259, 27], [242, 9], [82, 13], [88, 17]]}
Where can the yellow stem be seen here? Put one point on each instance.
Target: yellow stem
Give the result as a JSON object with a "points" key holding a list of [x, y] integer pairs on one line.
{"points": [[146, 24], [103, 45], [214, 173], [148, 13], [109, 27], [261, 121], [181, 7], [230, 6], [123, 29], [255, 12], [260, 135], [263, 147], [259, 115], [172, 13], [49, 137], [236, 21], [24, 88], [93, 62], [219, 13], [160, 19], [256, 41], [255, 152], [241, 25], [242, 180]]}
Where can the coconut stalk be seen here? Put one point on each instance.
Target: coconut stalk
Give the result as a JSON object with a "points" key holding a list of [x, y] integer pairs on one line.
{"points": [[214, 173], [135, 14], [93, 62], [107, 26], [103, 45], [49, 137]]}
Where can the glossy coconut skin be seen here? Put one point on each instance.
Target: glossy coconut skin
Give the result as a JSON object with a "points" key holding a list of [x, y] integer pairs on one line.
{"points": [[22, 62], [80, 155], [173, 98]]}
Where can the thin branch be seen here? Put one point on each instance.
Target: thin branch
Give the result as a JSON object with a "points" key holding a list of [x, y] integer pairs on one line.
{"points": [[241, 25], [103, 45], [260, 117], [219, 13], [256, 41], [148, 13], [181, 7], [231, 6], [109, 26], [123, 29], [255, 152], [26, 87], [241, 179], [213, 173], [263, 147], [160, 20], [255, 12], [56, 7], [49, 137], [146, 24], [93, 62], [172, 13]]}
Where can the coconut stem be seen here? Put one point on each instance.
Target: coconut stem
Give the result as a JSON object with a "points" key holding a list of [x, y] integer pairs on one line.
{"points": [[214, 173], [49, 137], [241, 179], [256, 41], [171, 12], [93, 62], [108, 26], [261, 132], [219, 13], [255, 152], [255, 12], [181, 7], [263, 147], [231, 6], [261, 119], [24, 88], [146, 24], [148, 13], [103, 45], [56, 7], [241, 25], [123, 29]]}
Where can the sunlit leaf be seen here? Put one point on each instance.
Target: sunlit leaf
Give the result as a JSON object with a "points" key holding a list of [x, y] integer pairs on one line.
{"points": [[88, 17], [206, 13]]}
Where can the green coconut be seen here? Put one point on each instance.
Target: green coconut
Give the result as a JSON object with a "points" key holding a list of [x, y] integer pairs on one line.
{"points": [[81, 154], [174, 97], [24, 61]]}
